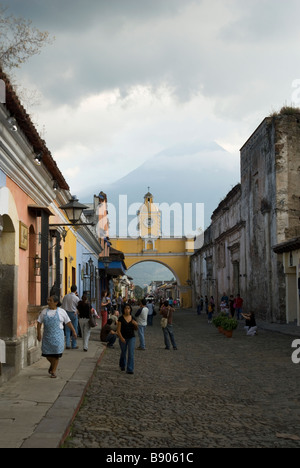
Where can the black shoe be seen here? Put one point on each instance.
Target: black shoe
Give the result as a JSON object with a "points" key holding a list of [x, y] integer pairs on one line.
{"points": [[129, 372], [175, 349], [122, 369], [167, 348]]}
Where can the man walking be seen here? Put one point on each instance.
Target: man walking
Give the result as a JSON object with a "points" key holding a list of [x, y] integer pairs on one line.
{"points": [[238, 304], [69, 304], [141, 316]]}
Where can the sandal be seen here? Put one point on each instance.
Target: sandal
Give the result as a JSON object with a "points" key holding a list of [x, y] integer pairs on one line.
{"points": [[53, 376], [50, 370]]}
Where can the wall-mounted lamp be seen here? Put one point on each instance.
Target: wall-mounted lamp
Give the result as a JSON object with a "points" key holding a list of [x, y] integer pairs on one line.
{"points": [[64, 234], [38, 159], [1, 225], [12, 124], [106, 261], [37, 265], [55, 185]]}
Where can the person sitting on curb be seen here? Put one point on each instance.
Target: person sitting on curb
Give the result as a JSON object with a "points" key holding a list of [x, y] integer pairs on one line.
{"points": [[108, 335]]}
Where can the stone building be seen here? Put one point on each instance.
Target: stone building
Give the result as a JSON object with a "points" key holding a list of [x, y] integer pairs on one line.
{"points": [[257, 225]]}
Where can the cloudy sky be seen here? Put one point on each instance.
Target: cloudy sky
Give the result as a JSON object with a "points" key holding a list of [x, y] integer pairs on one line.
{"points": [[125, 79]]}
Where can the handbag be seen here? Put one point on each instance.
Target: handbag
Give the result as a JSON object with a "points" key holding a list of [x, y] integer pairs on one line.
{"points": [[164, 321], [92, 321]]}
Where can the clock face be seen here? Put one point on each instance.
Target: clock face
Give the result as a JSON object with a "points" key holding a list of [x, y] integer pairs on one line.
{"points": [[148, 222]]}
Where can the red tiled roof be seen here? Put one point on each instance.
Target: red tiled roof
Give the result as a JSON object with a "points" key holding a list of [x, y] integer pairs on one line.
{"points": [[25, 124]]}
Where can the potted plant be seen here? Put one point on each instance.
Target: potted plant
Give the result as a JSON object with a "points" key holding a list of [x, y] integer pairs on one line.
{"points": [[218, 322], [225, 324], [229, 325]]}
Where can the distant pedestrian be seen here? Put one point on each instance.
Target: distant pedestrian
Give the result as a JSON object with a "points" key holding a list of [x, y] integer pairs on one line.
{"points": [[84, 313], [231, 305], [53, 342], [126, 333], [104, 304], [238, 305], [225, 298], [69, 304], [150, 306], [141, 317], [211, 309], [167, 312], [199, 304]]}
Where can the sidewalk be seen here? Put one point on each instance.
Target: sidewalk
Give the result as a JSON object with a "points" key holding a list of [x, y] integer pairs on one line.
{"points": [[285, 328], [36, 411]]}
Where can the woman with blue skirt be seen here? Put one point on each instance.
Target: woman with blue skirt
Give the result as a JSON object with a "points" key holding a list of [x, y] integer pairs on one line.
{"points": [[53, 342]]}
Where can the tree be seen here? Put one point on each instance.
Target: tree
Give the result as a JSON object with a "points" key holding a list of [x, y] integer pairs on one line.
{"points": [[19, 40], [138, 292]]}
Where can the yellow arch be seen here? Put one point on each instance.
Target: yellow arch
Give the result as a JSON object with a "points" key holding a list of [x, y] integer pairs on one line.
{"points": [[174, 253]]}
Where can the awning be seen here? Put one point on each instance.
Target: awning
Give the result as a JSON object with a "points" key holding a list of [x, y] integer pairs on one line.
{"points": [[115, 268]]}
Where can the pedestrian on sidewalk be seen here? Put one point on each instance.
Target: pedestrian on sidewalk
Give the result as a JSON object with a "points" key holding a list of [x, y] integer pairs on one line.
{"points": [[126, 333], [238, 305], [199, 305], [211, 309], [231, 305], [84, 312], [104, 305], [167, 312], [53, 342], [69, 304], [141, 317]]}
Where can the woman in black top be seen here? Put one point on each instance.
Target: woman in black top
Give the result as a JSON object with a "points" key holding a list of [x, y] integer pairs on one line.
{"points": [[125, 331], [84, 310]]}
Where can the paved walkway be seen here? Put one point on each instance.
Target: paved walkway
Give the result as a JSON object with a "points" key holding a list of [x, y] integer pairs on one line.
{"points": [[212, 392], [36, 411]]}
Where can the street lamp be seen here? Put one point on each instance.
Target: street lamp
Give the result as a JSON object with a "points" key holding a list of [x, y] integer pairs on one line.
{"points": [[106, 261], [73, 210]]}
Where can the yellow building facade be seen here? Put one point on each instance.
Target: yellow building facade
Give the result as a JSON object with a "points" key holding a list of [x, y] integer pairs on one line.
{"points": [[174, 253]]}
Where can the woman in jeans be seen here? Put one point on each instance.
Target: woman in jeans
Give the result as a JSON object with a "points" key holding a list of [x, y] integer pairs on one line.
{"points": [[84, 310], [125, 331]]}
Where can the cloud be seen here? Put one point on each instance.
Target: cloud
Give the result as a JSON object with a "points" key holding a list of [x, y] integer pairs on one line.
{"points": [[127, 78], [222, 49]]}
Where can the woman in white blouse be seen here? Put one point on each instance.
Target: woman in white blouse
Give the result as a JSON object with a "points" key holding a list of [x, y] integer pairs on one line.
{"points": [[53, 343]]}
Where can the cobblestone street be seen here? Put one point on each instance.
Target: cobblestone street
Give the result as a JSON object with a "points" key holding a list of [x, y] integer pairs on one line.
{"points": [[211, 392]]}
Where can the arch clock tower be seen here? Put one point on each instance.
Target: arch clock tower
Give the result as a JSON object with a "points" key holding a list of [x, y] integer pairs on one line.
{"points": [[149, 222]]}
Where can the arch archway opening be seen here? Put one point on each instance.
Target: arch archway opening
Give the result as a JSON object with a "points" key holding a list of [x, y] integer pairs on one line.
{"points": [[7, 279], [154, 278]]}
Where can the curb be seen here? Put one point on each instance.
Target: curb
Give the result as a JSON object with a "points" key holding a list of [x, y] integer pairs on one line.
{"points": [[55, 426]]}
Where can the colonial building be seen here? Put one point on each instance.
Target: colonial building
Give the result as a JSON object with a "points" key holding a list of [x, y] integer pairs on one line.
{"points": [[41, 249], [252, 244]]}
